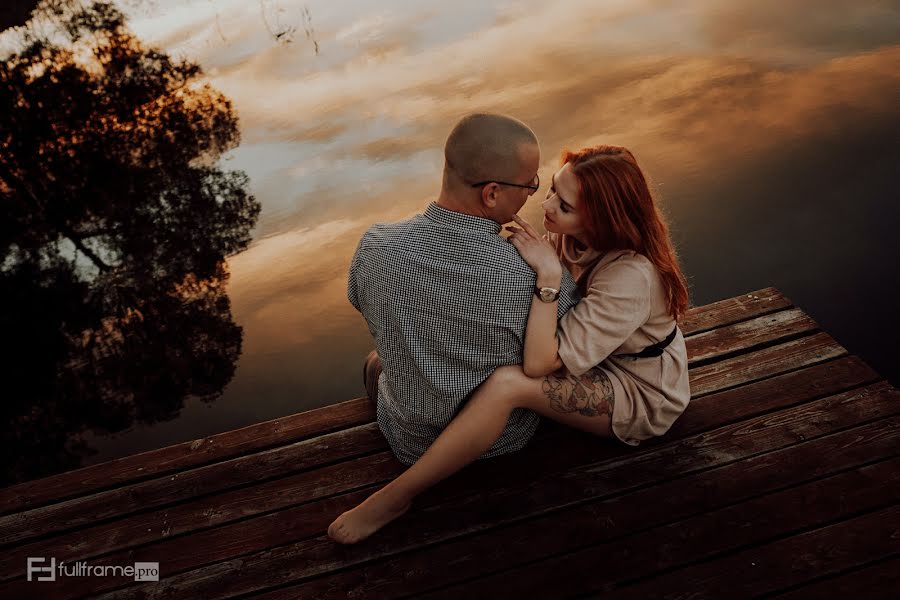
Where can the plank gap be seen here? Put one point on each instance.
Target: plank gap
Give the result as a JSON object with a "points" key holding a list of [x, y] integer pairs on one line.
{"points": [[793, 337], [760, 378]]}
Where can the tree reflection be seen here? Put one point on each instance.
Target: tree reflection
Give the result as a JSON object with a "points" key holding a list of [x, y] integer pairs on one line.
{"points": [[114, 228]]}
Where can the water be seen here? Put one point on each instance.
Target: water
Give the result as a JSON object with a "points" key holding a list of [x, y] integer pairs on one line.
{"points": [[771, 132]]}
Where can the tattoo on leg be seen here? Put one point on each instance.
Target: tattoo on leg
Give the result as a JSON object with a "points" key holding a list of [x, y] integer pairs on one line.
{"points": [[590, 394]]}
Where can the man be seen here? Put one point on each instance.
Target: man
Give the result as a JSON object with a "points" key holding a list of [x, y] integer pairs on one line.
{"points": [[445, 296]]}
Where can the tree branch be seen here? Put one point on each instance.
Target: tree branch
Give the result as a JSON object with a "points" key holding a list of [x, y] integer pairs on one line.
{"points": [[22, 190], [75, 239]]}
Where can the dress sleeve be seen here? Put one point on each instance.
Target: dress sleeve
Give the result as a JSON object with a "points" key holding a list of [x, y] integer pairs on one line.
{"points": [[616, 304]]}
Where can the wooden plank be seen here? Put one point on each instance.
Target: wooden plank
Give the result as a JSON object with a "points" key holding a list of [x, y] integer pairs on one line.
{"points": [[209, 512], [660, 508], [749, 334], [777, 392], [292, 428], [758, 520], [764, 363], [200, 548], [878, 581], [169, 489], [153, 463], [509, 500], [750, 477], [162, 524], [733, 310], [325, 449], [767, 568]]}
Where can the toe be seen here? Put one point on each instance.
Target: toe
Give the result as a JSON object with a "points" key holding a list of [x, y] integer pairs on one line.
{"points": [[335, 528]]}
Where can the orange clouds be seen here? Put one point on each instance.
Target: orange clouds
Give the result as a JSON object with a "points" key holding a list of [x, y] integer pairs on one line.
{"points": [[682, 82]]}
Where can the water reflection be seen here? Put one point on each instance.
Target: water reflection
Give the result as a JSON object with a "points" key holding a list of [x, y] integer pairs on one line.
{"points": [[115, 227], [771, 130]]}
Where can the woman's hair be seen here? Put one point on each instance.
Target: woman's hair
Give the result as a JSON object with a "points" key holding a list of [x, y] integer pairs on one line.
{"points": [[616, 199]]}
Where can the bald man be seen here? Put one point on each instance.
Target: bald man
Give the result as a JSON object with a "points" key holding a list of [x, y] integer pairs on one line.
{"points": [[445, 296]]}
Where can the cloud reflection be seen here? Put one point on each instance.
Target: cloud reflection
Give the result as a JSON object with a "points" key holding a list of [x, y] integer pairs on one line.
{"points": [[664, 74], [703, 91]]}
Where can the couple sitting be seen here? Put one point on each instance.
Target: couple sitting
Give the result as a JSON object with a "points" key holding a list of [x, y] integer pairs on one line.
{"points": [[478, 336]]}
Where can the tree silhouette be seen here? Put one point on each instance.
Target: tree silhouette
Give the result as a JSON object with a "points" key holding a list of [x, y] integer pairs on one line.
{"points": [[115, 225]]}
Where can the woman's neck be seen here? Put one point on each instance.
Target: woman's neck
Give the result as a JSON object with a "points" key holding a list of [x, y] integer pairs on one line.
{"points": [[582, 241]]}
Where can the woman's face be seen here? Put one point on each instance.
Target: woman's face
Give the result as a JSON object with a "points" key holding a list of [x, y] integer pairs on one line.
{"points": [[561, 214]]}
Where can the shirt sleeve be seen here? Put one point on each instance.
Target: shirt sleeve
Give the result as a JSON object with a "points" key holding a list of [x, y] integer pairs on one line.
{"points": [[568, 294], [616, 304], [352, 283], [568, 289]]}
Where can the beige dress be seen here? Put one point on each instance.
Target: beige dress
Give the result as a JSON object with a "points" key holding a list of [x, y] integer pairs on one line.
{"points": [[623, 312]]}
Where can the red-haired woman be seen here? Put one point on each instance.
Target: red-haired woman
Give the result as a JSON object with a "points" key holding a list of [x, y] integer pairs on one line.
{"points": [[615, 365]]}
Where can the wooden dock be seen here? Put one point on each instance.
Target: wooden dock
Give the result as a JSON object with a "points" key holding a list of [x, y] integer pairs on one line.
{"points": [[782, 478]]}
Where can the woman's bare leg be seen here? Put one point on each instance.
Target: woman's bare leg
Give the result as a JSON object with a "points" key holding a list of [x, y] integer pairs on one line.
{"points": [[584, 402]]}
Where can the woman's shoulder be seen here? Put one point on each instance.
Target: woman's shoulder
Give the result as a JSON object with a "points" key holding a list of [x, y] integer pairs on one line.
{"points": [[631, 257], [618, 265]]}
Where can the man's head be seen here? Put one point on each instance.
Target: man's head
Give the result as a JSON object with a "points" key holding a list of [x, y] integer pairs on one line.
{"points": [[490, 167]]}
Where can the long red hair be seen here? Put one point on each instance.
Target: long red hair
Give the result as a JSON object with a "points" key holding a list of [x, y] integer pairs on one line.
{"points": [[616, 200]]}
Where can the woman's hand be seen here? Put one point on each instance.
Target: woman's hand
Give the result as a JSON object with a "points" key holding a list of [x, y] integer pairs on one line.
{"points": [[537, 252]]}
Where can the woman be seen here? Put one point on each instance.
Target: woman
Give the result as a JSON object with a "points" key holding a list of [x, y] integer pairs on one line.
{"points": [[615, 365]]}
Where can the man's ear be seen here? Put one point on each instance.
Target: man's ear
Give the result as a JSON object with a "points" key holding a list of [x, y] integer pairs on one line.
{"points": [[489, 195]]}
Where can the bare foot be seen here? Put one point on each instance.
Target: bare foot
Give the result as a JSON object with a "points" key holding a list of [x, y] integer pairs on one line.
{"points": [[359, 523]]}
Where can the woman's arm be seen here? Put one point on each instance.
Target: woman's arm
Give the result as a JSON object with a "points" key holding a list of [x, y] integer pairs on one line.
{"points": [[541, 352], [541, 345]]}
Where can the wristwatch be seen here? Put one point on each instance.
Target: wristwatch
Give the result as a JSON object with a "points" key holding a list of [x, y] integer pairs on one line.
{"points": [[546, 294]]}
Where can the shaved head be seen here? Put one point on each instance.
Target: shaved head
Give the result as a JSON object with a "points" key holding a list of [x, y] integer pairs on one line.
{"points": [[484, 146]]}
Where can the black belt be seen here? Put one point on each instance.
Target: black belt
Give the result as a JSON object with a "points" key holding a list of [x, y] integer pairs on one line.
{"points": [[654, 350]]}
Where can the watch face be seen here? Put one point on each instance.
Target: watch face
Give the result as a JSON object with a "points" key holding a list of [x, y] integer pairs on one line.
{"points": [[548, 294]]}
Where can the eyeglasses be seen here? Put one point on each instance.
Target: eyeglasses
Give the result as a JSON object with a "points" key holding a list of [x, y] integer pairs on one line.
{"points": [[533, 186]]}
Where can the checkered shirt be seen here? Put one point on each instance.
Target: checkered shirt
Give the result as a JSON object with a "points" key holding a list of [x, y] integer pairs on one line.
{"points": [[446, 299]]}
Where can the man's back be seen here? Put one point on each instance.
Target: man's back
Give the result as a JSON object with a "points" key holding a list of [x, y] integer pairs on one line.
{"points": [[446, 300]]}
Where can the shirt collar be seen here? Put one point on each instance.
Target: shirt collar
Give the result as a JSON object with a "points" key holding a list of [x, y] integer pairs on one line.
{"points": [[460, 220]]}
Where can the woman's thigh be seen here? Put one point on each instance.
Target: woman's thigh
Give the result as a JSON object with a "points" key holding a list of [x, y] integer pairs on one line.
{"points": [[584, 402]]}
